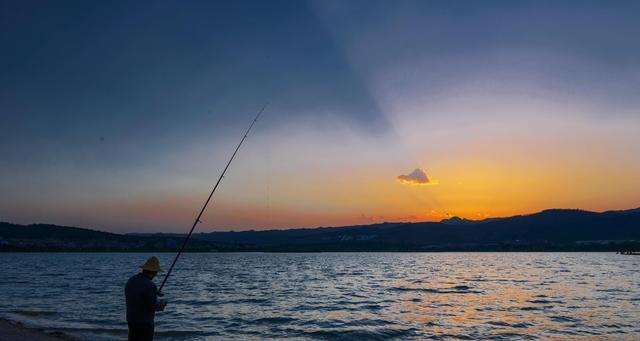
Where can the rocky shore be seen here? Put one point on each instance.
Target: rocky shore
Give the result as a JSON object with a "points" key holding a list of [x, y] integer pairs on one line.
{"points": [[14, 331]]}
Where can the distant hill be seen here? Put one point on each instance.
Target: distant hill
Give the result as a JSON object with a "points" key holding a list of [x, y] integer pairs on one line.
{"points": [[45, 237], [556, 229], [547, 230]]}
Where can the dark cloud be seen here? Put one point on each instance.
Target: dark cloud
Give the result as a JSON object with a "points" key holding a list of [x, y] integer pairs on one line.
{"points": [[418, 177]]}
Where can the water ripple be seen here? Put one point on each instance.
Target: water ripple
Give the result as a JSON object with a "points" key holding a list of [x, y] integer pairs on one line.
{"points": [[334, 296]]}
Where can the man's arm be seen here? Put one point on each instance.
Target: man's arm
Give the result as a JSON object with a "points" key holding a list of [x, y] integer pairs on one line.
{"points": [[151, 298], [158, 304]]}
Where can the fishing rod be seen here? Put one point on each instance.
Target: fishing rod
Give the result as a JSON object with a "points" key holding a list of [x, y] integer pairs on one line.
{"points": [[204, 207]]}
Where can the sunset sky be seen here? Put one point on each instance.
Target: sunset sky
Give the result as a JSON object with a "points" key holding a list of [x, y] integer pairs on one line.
{"points": [[120, 116]]}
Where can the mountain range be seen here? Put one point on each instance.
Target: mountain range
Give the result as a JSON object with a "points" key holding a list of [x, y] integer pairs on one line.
{"points": [[549, 230]]}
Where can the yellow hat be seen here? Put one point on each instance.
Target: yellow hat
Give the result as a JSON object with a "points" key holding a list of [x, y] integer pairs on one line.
{"points": [[152, 264]]}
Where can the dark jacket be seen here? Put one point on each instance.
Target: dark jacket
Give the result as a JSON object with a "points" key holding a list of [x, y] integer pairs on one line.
{"points": [[142, 299]]}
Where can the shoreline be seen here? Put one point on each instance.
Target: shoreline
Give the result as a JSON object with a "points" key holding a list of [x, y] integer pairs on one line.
{"points": [[16, 331]]}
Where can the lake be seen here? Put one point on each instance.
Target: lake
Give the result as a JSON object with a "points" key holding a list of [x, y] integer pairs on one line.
{"points": [[335, 296]]}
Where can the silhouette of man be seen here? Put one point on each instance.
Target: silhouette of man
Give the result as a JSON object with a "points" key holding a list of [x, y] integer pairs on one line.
{"points": [[142, 301]]}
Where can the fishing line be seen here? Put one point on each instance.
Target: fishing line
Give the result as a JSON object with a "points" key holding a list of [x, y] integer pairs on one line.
{"points": [[204, 207]]}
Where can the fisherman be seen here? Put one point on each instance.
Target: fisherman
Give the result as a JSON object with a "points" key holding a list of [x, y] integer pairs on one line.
{"points": [[142, 301]]}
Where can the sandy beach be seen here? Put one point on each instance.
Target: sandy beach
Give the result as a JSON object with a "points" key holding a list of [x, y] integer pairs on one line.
{"points": [[12, 331]]}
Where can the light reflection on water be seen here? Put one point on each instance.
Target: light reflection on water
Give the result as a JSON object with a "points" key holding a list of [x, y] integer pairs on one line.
{"points": [[336, 296]]}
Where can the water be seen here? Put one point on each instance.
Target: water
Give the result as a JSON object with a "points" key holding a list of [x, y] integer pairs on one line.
{"points": [[336, 296]]}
